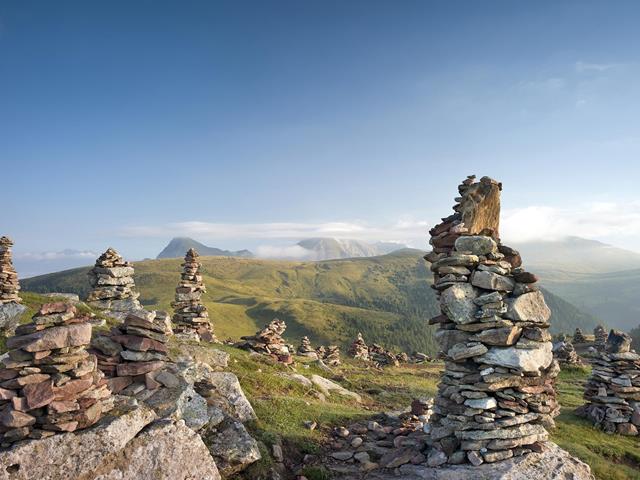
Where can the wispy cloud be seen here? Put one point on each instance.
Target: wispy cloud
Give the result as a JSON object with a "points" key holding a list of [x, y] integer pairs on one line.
{"points": [[582, 67], [64, 254]]}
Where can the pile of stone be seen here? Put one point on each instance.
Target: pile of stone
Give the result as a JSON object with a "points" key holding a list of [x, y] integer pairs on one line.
{"points": [[419, 357], [113, 287], [9, 285], [49, 382], [305, 349], [613, 390], [190, 315], [578, 336], [359, 348], [268, 341], [382, 357], [565, 353], [133, 355], [332, 357], [600, 338], [496, 397]]}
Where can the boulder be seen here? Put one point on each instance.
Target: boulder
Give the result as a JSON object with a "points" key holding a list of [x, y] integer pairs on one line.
{"points": [[328, 387], [10, 314], [181, 403], [231, 446], [164, 451], [476, 244]]}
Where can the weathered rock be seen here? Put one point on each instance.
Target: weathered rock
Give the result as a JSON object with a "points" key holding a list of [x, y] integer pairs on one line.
{"points": [[231, 446], [525, 359], [529, 307], [492, 281], [476, 244], [328, 387], [457, 303], [10, 314]]}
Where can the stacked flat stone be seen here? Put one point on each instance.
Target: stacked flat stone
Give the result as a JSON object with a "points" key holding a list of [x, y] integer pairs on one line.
{"points": [[305, 349], [600, 338], [332, 357], [190, 314], [613, 390], [382, 357], [565, 353], [133, 354], [402, 357], [321, 351], [9, 285], [49, 382], [268, 340], [496, 396], [359, 349], [578, 336], [113, 287]]}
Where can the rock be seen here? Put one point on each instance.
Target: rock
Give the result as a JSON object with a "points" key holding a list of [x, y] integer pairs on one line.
{"points": [[164, 451], [460, 351], [10, 314], [481, 403], [618, 342], [492, 281], [552, 464], [231, 446], [476, 245], [525, 359], [457, 303], [327, 387], [74, 455], [51, 338], [342, 456], [499, 336], [528, 307], [436, 458], [296, 377]]}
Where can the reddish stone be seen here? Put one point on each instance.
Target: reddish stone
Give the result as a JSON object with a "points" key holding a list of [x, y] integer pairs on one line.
{"points": [[150, 382], [117, 384], [72, 388], [20, 404], [525, 277], [56, 307], [26, 380], [7, 394], [138, 368], [141, 344], [62, 427], [56, 337], [7, 374], [14, 419], [41, 355], [62, 407], [39, 394]]}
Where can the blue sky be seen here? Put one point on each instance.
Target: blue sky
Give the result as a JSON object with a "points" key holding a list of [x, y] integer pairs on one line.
{"points": [[251, 124]]}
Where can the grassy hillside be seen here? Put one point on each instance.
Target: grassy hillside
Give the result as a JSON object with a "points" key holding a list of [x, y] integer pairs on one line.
{"points": [[387, 298]]}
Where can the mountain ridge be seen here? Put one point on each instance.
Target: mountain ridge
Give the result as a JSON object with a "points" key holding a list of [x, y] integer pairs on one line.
{"points": [[178, 247]]}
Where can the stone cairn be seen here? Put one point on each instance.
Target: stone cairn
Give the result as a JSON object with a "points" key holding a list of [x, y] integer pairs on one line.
{"points": [[359, 349], [133, 354], [381, 357], [600, 338], [613, 390], [113, 287], [305, 349], [496, 396], [578, 336], [9, 285], [332, 357], [268, 341], [565, 353], [191, 317], [49, 382]]}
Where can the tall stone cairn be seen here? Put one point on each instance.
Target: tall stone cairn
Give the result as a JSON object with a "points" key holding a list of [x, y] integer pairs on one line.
{"points": [[305, 349], [359, 348], [382, 357], [496, 396], [190, 314], [332, 357], [600, 338], [49, 382], [133, 355], [113, 287], [9, 285], [613, 390], [565, 353]]}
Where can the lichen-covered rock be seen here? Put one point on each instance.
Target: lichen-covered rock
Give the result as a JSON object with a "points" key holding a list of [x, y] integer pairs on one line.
{"points": [[164, 451], [231, 446], [10, 314]]}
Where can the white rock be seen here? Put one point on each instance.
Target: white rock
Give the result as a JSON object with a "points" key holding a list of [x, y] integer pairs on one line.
{"points": [[328, 387], [457, 303], [526, 359], [528, 307]]}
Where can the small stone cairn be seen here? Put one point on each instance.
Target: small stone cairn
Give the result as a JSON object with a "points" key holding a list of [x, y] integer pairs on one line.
{"points": [[113, 287], [49, 382], [305, 349], [268, 341], [190, 314], [613, 390], [496, 396], [578, 336], [359, 349], [565, 353], [9, 285], [332, 357], [600, 338], [381, 357], [134, 354]]}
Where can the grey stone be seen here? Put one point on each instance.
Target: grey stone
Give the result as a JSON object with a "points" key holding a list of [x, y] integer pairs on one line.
{"points": [[476, 244], [492, 281], [528, 307], [460, 351], [457, 303], [10, 314], [231, 446], [525, 359]]}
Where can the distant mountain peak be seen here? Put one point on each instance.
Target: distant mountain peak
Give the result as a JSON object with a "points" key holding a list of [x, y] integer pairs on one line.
{"points": [[329, 248], [178, 247]]}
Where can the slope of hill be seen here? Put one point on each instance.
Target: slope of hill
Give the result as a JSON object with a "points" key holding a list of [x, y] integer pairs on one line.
{"points": [[322, 248], [178, 246], [387, 298], [577, 255]]}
